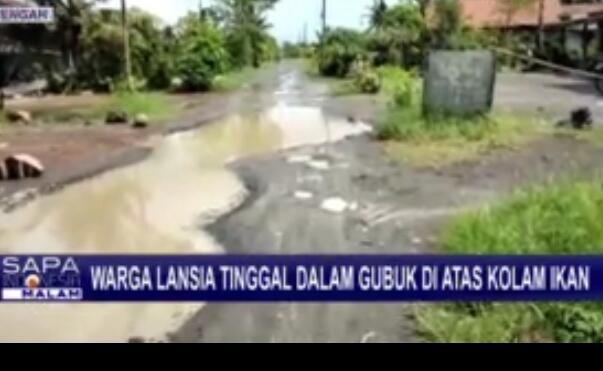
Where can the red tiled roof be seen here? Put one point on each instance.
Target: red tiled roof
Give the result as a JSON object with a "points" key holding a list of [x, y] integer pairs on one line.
{"points": [[490, 13]]}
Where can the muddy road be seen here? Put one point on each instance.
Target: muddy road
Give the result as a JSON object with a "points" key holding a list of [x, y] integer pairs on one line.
{"points": [[346, 197], [280, 167]]}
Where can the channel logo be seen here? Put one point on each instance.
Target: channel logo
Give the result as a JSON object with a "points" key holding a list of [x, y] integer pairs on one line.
{"points": [[47, 279], [26, 15]]}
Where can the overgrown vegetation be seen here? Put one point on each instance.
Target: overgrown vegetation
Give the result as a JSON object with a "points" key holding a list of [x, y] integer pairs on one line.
{"points": [[435, 140], [230, 35], [156, 106], [553, 219]]}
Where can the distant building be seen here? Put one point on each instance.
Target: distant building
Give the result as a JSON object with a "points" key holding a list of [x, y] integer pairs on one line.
{"points": [[575, 24], [492, 13]]}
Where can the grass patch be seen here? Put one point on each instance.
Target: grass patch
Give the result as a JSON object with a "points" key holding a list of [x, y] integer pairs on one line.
{"points": [[555, 219], [593, 136], [440, 141], [342, 88], [155, 105], [158, 106], [234, 80]]}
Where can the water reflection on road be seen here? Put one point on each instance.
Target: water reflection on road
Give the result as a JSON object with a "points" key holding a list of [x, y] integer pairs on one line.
{"points": [[157, 206]]}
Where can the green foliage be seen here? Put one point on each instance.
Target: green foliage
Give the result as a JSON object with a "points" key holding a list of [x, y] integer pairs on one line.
{"points": [[271, 51], [152, 50], [399, 37], [293, 51], [233, 80], [337, 51], [202, 55], [92, 43], [100, 63], [403, 86], [562, 218], [448, 20], [557, 219], [437, 140], [365, 78], [246, 30]]}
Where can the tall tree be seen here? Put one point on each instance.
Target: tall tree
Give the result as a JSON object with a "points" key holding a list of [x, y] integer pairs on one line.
{"points": [[246, 26], [377, 14], [126, 42]]}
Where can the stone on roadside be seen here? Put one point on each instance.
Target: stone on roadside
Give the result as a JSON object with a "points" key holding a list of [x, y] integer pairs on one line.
{"points": [[299, 159], [303, 195], [19, 116], [334, 205], [116, 118], [141, 121], [319, 165]]}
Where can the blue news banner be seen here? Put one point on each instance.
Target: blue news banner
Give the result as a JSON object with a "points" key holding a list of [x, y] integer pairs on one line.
{"points": [[300, 278]]}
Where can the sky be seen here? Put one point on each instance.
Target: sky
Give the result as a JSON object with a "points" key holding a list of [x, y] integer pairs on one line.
{"points": [[288, 18]]}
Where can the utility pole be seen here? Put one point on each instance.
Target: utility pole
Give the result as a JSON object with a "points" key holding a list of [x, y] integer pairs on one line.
{"points": [[540, 37], [126, 36], [324, 16], [305, 34]]}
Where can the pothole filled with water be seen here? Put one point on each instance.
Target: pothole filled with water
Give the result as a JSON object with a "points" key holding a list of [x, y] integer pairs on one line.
{"points": [[160, 205]]}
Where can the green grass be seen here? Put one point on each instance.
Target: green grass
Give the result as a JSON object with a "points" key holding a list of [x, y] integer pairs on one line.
{"points": [[343, 87], [156, 105], [438, 141], [234, 80], [593, 136], [556, 219], [392, 77]]}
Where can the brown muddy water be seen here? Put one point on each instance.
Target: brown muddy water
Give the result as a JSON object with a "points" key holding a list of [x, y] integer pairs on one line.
{"points": [[157, 206]]}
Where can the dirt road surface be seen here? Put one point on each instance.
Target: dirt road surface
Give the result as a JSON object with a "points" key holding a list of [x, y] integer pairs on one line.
{"points": [[391, 209], [279, 135]]}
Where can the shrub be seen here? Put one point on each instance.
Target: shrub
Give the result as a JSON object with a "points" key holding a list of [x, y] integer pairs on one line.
{"points": [[402, 86], [554, 219], [366, 80], [398, 38], [338, 50], [202, 57]]}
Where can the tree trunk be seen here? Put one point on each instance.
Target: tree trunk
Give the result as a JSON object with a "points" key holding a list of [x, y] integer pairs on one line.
{"points": [[126, 41]]}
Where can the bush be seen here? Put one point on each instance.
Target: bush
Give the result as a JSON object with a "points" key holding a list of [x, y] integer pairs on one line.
{"points": [[338, 50], [553, 219], [270, 50], [202, 57], [399, 37], [402, 86], [366, 80]]}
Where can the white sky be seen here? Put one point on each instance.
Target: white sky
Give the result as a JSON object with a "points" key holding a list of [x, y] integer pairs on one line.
{"points": [[288, 18]]}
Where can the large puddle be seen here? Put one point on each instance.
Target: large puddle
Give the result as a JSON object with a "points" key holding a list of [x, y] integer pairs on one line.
{"points": [[157, 206]]}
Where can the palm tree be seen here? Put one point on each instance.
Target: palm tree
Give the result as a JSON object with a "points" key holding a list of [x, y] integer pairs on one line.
{"points": [[377, 14], [246, 25]]}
